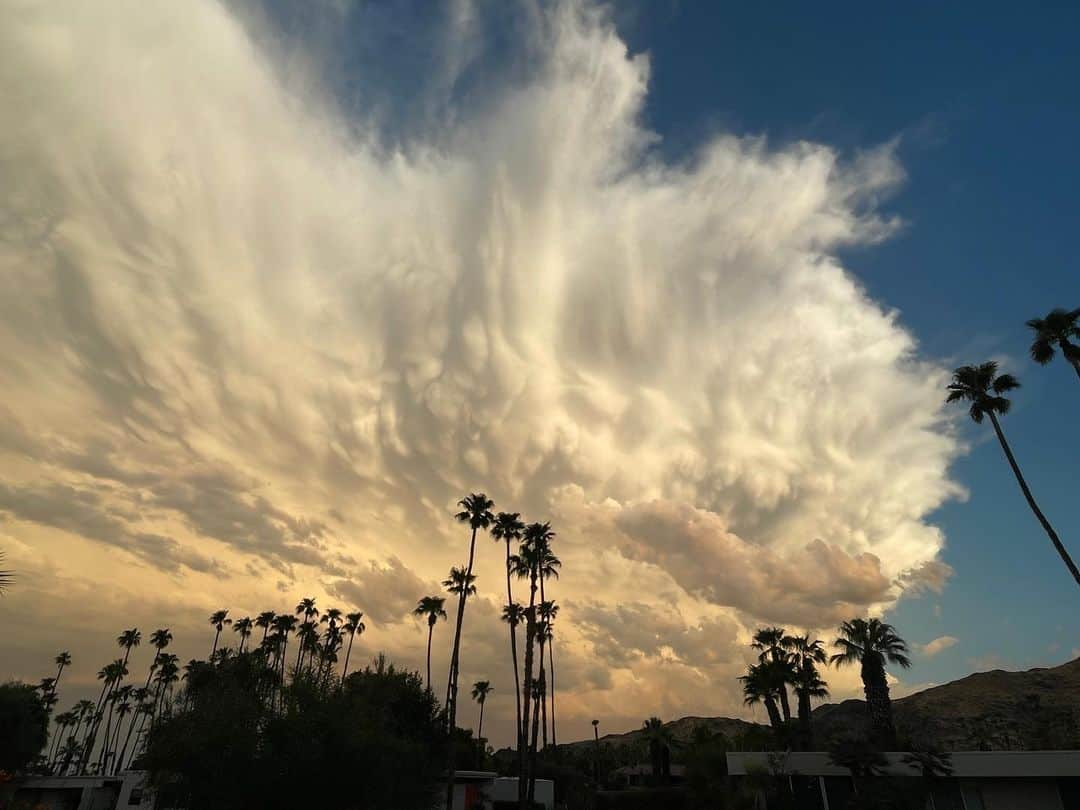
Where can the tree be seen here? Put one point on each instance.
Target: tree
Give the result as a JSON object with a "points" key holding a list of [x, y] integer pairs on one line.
{"points": [[228, 745], [759, 687], [859, 757], [24, 726], [769, 641], [265, 620], [62, 660], [513, 614], [508, 527], [218, 620], [432, 608], [7, 576], [353, 626], [658, 737], [806, 655], [480, 691], [984, 388], [1057, 330], [872, 643], [243, 627]]}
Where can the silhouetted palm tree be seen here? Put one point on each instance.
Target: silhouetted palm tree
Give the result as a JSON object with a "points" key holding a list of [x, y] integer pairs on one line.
{"points": [[218, 620], [64, 721], [547, 611], [353, 625], [808, 684], [480, 691], [508, 527], [984, 389], [1057, 330], [7, 576], [128, 640], [659, 739], [513, 614], [62, 660], [770, 642], [306, 608], [243, 627], [758, 687], [265, 620], [872, 643], [432, 607]]}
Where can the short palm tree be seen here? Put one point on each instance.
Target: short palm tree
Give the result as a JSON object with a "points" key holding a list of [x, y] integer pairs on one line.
{"points": [[1056, 331], [243, 627], [432, 608], [984, 388], [480, 691], [353, 625], [872, 644], [218, 620]]}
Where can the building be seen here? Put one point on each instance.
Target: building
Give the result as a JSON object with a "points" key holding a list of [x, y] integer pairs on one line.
{"points": [[981, 780], [486, 790], [125, 791]]}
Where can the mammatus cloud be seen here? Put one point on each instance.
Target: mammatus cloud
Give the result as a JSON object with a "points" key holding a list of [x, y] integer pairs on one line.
{"points": [[939, 644], [249, 343]]}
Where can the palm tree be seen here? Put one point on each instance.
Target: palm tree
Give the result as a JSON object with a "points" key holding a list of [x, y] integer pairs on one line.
{"points": [[548, 611], [476, 511], [306, 608], [508, 527], [265, 620], [659, 739], [128, 640], [432, 607], [354, 625], [243, 627], [770, 642], [806, 655], [549, 568], [1057, 330], [7, 576], [513, 614], [109, 675], [872, 643], [64, 721], [283, 625], [758, 687], [984, 389], [480, 691], [62, 660], [218, 620], [139, 695]]}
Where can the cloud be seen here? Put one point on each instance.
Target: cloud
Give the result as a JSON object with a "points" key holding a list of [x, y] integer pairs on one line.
{"points": [[939, 644], [245, 326]]}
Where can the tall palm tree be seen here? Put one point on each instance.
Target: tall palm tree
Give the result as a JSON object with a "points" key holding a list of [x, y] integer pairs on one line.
{"points": [[459, 582], [1057, 330], [64, 721], [354, 625], [128, 640], [243, 627], [284, 624], [513, 614], [770, 642], [7, 576], [758, 687], [432, 607], [475, 511], [306, 608], [218, 620], [480, 691], [109, 675], [984, 389], [872, 644], [265, 620], [547, 611], [62, 660], [139, 695], [806, 655], [508, 527]]}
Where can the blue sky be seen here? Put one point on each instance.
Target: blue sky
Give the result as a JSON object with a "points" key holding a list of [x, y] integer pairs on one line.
{"points": [[988, 111]]}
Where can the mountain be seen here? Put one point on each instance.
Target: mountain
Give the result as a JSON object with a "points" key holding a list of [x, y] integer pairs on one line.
{"points": [[1031, 710]]}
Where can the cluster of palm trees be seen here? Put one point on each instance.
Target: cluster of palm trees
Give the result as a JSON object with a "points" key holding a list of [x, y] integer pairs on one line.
{"points": [[792, 661], [104, 737], [534, 667], [984, 390]]}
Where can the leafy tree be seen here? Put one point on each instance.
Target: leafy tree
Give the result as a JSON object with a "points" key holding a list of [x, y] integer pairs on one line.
{"points": [[872, 643], [374, 742], [432, 608], [1056, 331], [24, 726], [984, 388]]}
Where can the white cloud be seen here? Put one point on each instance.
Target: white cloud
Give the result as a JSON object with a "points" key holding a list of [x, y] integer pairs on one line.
{"points": [[937, 645], [253, 336]]}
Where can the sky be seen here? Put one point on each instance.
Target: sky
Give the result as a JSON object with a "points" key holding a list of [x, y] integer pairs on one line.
{"points": [[279, 283]]}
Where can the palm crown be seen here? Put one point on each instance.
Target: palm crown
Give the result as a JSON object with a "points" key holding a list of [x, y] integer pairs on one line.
{"points": [[476, 510], [983, 387], [480, 690], [870, 642], [1057, 330], [459, 581], [432, 607]]}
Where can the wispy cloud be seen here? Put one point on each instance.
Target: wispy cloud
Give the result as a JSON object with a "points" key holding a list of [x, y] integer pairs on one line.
{"points": [[937, 645]]}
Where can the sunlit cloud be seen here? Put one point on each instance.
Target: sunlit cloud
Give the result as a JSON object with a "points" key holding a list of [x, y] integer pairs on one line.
{"points": [[253, 347]]}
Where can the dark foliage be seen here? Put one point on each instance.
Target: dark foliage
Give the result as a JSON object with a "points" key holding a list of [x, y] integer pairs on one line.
{"points": [[24, 726], [235, 742]]}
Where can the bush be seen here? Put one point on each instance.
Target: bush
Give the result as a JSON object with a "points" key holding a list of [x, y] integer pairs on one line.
{"points": [[24, 726]]}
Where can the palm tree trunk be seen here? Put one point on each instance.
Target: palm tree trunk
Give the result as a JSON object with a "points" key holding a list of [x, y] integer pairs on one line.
{"points": [[532, 746], [513, 649], [451, 687], [551, 672], [805, 720], [56, 680], [879, 706], [784, 705], [480, 727], [543, 695], [526, 689], [136, 715], [55, 743], [774, 713], [214, 649], [348, 652], [1064, 554], [430, 630]]}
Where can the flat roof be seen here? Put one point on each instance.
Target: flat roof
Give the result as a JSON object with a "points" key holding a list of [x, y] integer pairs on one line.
{"points": [[965, 764]]}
